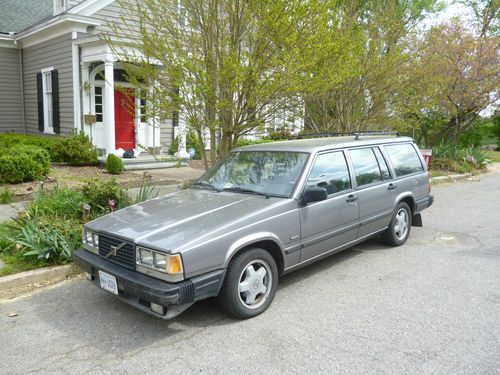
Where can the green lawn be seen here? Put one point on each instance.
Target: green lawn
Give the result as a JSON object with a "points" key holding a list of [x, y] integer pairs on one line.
{"points": [[494, 156]]}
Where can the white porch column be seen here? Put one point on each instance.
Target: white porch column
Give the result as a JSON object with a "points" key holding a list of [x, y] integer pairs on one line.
{"points": [[85, 95], [109, 108], [182, 130]]}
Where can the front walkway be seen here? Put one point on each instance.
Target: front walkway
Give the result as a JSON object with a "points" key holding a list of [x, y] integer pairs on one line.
{"points": [[7, 211]]}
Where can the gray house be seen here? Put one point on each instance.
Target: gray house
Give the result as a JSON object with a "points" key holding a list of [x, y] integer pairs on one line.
{"points": [[57, 74]]}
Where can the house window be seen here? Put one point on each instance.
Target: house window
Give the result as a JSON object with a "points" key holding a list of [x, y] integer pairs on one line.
{"points": [[143, 110], [98, 103], [48, 109]]}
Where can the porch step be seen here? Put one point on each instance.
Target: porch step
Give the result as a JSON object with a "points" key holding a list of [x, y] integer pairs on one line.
{"points": [[149, 159], [153, 165]]}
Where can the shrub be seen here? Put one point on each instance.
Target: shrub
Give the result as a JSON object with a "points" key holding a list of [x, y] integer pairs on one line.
{"points": [[114, 164], [63, 203], [38, 154], [48, 230], [6, 196], [455, 159], [76, 150], [48, 143], [192, 141], [23, 163], [282, 134], [146, 192], [47, 240], [104, 197]]}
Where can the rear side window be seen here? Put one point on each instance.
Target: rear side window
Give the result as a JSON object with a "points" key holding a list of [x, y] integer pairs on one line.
{"points": [[365, 166], [404, 159], [330, 172]]}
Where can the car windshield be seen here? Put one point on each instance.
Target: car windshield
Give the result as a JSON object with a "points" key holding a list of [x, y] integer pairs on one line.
{"points": [[271, 173]]}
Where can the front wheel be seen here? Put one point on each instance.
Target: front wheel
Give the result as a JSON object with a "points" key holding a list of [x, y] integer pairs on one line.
{"points": [[250, 284], [399, 229]]}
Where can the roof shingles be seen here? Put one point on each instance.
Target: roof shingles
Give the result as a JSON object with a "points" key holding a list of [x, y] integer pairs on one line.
{"points": [[19, 15]]}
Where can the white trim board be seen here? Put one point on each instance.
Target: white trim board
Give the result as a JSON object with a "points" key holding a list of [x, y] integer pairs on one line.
{"points": [[89, 7]]}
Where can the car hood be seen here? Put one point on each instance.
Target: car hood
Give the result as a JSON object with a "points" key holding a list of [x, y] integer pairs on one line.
{"points": [[169, 221]]}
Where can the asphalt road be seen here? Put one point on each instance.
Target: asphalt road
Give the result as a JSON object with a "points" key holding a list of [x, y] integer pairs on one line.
{"points": [[429, 307]]}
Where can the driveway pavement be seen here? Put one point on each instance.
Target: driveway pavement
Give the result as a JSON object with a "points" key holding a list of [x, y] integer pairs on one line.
{"points": [[429, 307]]}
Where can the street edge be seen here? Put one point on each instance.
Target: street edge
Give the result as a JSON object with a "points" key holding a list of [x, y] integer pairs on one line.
{"points": [[449, 178], [47, 274]]}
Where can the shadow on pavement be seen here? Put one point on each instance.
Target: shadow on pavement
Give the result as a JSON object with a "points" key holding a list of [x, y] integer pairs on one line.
{"points": [[95, 317]]}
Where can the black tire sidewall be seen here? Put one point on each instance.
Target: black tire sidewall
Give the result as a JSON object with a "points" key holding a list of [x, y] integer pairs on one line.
{"points": [[390, 235], [229, 295]]}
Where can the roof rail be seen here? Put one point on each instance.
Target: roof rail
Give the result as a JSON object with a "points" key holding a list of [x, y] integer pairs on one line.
{"points": [[376, 132], [355, 134]]}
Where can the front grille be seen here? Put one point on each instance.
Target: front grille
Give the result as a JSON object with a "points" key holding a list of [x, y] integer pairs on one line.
{"points": [[125, 256]]}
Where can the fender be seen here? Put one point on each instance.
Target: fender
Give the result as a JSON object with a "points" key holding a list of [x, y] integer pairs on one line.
{"points": [[249, 240], [402, 196]]}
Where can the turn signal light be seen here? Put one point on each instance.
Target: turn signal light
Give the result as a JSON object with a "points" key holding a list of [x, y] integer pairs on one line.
{"points": [[174, 264]]}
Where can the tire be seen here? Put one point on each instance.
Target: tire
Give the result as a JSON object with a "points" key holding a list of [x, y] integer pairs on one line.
{"points": [[399, 229], [250, 284]]}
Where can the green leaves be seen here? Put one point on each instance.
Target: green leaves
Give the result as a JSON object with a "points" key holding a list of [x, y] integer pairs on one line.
{"points": [[43, 240]]}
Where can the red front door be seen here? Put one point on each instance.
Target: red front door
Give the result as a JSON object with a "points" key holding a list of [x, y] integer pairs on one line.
{"points": [[124, 119]]}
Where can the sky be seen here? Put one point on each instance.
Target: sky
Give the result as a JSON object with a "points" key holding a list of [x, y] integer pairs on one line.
{"points": [[452, 10]]}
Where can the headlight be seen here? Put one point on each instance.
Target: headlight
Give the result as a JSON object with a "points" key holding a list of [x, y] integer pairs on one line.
{"points": [[145, 257], [90, 241], [149, 261], [88, 237], [160, 261]]}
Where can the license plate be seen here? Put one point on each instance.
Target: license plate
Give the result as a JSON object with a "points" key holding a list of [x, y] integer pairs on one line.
{"points": [[108, 282]]}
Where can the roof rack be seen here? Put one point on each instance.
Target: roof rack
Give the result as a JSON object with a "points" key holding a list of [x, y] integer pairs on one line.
{"points": [[355, 134]]}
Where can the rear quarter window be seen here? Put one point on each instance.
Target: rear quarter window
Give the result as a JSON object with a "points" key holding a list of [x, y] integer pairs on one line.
{"points": [[404, 159]]}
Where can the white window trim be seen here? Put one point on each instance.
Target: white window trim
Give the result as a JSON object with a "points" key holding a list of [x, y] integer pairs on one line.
{"points": [[100, 84], [46, 128]]}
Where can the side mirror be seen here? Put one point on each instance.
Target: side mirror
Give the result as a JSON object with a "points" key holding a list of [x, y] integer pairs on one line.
{"points": [[314, 194]]}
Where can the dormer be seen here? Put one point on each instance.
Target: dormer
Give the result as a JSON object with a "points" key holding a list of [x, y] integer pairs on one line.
{"points": [[60, 6]]}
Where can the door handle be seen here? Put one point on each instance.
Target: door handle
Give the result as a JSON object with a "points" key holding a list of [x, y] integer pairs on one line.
{"points": [[391, 186], [351, 198]]}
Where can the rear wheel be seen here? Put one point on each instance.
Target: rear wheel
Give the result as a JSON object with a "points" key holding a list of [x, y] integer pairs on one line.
{"points": [[399, 229], [250, 284]]}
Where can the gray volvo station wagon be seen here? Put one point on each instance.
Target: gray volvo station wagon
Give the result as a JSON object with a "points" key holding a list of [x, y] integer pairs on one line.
{"points": [[264, 211]]}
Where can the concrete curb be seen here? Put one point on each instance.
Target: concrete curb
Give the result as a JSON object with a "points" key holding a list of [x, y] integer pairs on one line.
{"points": [[57, 273], [450, 178]]}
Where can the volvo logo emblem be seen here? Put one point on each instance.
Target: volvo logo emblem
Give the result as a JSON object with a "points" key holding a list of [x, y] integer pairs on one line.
{"points": [[114, 250]]}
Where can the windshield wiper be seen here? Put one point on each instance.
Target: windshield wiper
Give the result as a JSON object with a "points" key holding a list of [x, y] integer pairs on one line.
{"points": [[206, 185], [247, 191]]}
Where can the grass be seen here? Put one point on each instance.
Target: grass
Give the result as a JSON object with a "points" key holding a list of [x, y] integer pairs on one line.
{"points": [[15, 264], [6, 196], [494, 156], [439, 172]]}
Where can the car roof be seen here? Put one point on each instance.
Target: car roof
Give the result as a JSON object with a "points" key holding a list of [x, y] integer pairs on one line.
{"points": [[313, 145]]}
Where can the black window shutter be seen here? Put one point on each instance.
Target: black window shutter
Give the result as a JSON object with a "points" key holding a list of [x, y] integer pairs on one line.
{"points": [[55, 102], [39, 86]]}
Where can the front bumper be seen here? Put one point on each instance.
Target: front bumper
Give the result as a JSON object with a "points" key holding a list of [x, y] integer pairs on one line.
{"points": [[141, 290]]}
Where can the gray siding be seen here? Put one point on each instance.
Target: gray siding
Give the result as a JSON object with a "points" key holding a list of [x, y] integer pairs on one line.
{"points": [[166, 134], [112, 14], [57, 53], [10, 91]]}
